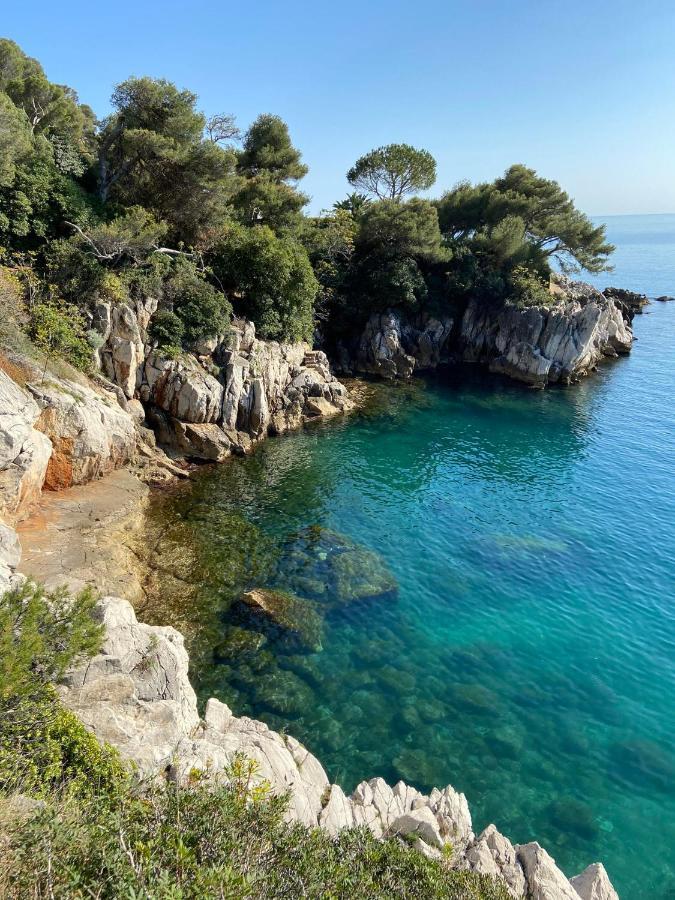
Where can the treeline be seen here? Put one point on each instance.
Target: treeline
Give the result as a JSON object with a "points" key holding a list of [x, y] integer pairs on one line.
{"points": [[159, 200]]}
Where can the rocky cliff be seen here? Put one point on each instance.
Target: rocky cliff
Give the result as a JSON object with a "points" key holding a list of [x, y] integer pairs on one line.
{"points": [[559, 342], [58, 428]]}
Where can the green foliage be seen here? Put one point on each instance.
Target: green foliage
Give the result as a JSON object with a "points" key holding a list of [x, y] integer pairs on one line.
{"points": [[267, 163], [353, 203], [166, 329], [397, 230], [551, 226], [203, 842], [46, 748], [393, 171], [201, 309], [129, 238], [268, 149], [528, 288], [152, 153], [42, 634], [273, 280], [56, 327]]}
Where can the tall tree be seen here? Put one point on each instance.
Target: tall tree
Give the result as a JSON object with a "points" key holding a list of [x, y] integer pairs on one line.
{"points": [[153, 153], [393, 171], [271, 167], [550, 224]]}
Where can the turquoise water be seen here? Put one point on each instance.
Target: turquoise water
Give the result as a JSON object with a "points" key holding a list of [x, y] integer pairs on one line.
{"points": [[528, 654]]}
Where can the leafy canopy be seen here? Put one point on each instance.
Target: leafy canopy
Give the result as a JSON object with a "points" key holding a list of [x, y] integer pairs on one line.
{"points": [[392, 171], [552, 227]]}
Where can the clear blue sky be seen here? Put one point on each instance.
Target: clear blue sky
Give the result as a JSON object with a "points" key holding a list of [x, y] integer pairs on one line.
{"points": [[582, 91]]}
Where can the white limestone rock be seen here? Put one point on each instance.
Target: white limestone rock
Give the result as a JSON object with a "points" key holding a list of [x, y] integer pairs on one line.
{"points": [[182, 387], [493, 854], [24, 451], [594, 884], [543, 344], [90, 433], [392, 346], [544, 879]]}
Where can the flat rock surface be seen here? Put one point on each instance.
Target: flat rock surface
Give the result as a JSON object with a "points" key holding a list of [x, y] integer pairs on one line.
{"points": [[84, 534]]}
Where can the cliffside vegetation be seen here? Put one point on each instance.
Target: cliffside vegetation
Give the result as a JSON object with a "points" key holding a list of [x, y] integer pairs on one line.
{"points": [[159, 200], [75, 823]]}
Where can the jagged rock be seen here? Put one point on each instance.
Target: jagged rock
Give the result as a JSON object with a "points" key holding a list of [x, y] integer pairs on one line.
{"points": [[319, 406], [136, 694], [182, 388], [493, 854], [91, 435], [393, 347], [544, 879], [380, 351], [420, 822], [630, 302], [24, 451], [539, 345], [594, 884], [200, 441]]}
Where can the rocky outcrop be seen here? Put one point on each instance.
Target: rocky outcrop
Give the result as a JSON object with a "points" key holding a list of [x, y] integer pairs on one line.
{"points": [[10, 555], [91, 434], [558, 342], [242, 391], [24, 451], [544, 344], [393, 347], [136, 694], [594, 884]]}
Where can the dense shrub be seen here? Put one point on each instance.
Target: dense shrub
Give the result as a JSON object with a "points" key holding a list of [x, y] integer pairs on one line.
{"points": [[272, 278], [57, 327], [42, 633], [166, 329], [199, 843], [201, 308]]}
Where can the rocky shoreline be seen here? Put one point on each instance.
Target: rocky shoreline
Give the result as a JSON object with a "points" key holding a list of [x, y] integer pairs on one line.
{"points": [[539, 345]]}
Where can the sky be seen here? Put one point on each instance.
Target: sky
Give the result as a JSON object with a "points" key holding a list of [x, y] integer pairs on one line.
{"points": [[581, 90]]}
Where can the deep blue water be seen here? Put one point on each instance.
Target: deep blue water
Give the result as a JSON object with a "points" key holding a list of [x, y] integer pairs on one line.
{"points": [[528, 656]]}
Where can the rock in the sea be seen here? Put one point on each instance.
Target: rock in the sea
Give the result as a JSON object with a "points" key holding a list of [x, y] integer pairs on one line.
{"points": [[332, 569], [544, 344], [594, 884], [288, 617]]}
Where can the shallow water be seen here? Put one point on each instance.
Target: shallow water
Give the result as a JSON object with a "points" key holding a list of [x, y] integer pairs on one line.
{"points": [[528, 653]]}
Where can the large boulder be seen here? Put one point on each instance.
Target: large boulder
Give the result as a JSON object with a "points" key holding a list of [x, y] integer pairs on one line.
{"points": [[594, 884], [493, 854], [544, 879], [90, 433], [24, 451], [287, 617]]}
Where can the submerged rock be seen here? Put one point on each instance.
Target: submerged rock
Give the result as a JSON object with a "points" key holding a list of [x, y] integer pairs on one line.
{"points": [[290, 617], [331, 568]]}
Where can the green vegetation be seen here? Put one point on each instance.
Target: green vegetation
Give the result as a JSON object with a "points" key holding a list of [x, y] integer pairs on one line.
{"points": [[157, 200], [74, 822]]}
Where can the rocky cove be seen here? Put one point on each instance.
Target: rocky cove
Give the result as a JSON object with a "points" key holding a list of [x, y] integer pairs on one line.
{"points": [[60, 431]]}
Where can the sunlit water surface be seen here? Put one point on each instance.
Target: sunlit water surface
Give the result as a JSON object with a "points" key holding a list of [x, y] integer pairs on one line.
{"points": [[528, 656]]}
